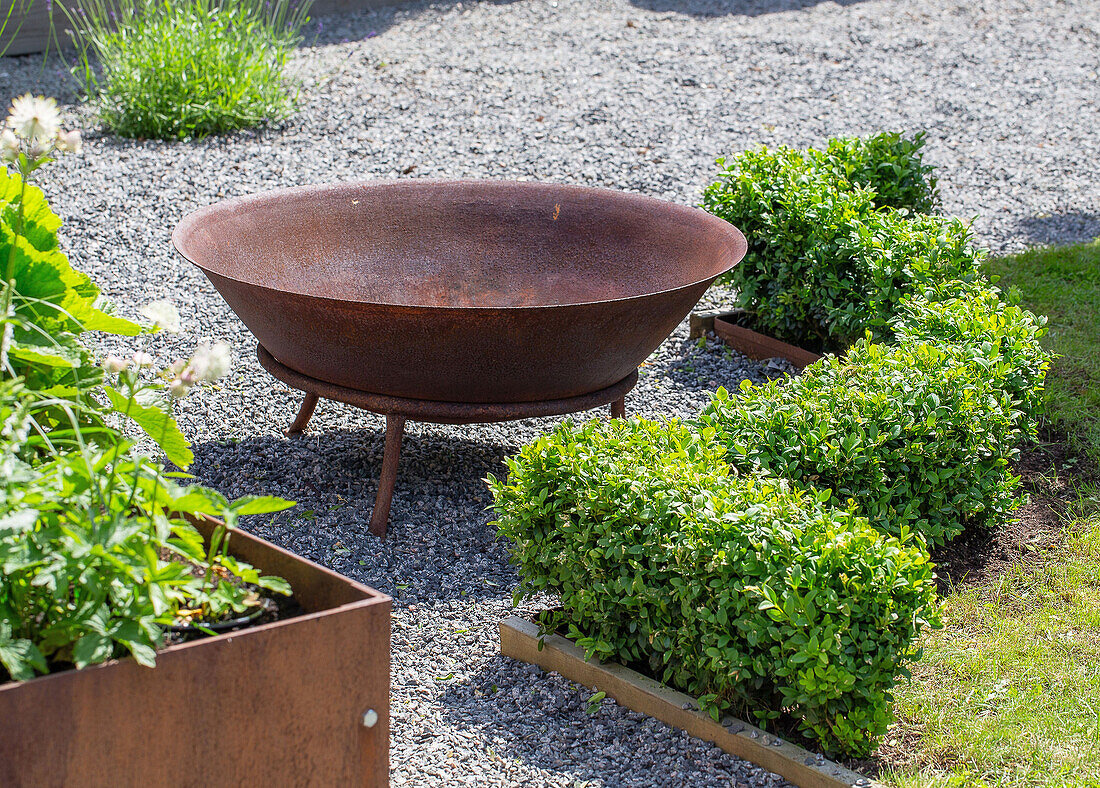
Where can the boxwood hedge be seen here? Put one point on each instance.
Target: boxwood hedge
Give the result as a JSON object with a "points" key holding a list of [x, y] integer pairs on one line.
{"points": [[738, 588], [917, 436], [989, 322], [770, 555], [828, 255], [889, 164]]}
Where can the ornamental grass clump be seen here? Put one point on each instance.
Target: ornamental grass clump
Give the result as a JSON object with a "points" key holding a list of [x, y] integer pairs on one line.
{"points": [[164, 70], [738, 588]]}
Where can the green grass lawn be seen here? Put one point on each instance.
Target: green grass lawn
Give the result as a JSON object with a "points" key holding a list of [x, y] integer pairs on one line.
{"points": [[1008, 692], [1063, 283]]}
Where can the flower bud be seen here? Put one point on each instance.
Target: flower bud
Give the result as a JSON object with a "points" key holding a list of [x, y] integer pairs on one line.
{"points": [[178, 389], [115, 364], [9, 146], [69, 141], [143, 360]]}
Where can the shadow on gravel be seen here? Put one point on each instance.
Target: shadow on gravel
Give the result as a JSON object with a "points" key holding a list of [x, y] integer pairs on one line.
{"points": [[711, 8], [440, 544], [1065, 227], [521, 712], [331, 25]]}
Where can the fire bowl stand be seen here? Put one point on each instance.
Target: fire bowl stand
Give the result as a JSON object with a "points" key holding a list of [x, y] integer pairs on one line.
{"points": [[398, 409]]}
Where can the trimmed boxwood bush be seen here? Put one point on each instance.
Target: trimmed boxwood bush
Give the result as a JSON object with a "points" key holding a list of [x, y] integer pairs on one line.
{"points": [[828, 257], [771, 556], [918, 437], [889, 164], [737, 588], [989, 321]]}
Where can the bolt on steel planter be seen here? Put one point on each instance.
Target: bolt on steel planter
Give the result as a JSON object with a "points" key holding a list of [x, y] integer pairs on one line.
{"points": [[422, 298], [299, 701]]}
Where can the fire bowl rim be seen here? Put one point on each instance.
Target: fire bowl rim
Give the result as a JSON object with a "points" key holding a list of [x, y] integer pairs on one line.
{"points": [[191, 221]]}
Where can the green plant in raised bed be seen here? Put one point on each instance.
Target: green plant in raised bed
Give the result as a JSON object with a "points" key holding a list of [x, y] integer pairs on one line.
{"points": [[827, 259], [737, 588], [978, 316], [161, 69], [97, 554], [97, 557]]}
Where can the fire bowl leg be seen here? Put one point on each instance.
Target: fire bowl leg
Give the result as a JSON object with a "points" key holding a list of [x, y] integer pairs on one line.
{"points": [[618, 408], [395, 429], [305, 413]]}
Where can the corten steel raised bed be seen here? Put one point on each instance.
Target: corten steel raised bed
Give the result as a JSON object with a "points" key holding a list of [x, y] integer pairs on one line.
{"points": [[301, 701], [725, 325], [457, 301], [519, 639]]}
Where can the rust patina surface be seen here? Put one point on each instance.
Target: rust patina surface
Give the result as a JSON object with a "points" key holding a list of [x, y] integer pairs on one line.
{"points": [[457, 301], [285, 703], [467, 291]]}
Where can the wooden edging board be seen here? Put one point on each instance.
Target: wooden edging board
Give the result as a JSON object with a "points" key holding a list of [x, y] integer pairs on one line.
{"points": [[752, 344], [520, 640]]}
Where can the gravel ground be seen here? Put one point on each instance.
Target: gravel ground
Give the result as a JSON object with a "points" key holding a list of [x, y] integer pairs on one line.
{"points": [[639, 96]]}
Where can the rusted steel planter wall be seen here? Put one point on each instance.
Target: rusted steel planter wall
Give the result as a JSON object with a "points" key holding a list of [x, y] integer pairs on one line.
{"points": [[33, 35], [279, 704], [746, 341]]}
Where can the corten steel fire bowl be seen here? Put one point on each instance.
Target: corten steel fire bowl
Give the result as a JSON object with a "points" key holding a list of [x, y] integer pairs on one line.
{"points": [[457, 301]]}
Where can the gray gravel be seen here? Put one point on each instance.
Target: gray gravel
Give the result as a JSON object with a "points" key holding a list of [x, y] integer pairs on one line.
{"points": [[639, 96]]}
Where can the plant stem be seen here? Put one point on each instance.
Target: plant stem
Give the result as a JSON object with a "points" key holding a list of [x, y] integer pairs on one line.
{"points": [[9, 281]]}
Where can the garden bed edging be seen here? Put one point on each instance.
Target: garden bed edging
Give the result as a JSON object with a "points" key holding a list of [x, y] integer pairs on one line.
{"points": [[519, 639], [723, 323]]}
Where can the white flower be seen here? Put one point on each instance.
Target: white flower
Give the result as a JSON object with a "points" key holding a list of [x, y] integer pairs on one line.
{"points": [[210, 362], [178, 389], [163, 314], [68, 141], [115, 364], [34, 118], [143, 360], [9, 146]]}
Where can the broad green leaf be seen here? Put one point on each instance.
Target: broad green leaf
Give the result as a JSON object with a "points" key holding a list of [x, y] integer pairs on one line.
{"points": [[157, 424], [259, 504], [21, 658]]}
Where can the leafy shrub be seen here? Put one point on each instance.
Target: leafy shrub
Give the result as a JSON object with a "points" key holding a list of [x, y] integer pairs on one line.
{"points": [[918, 437], [889, 164], [735, 588], [824, 264], [894, 257], [52, 303], [188, 68], [978, 316]]}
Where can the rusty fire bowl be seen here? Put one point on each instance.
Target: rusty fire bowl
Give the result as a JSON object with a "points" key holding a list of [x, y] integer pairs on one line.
{"points": [[459, 291]]}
